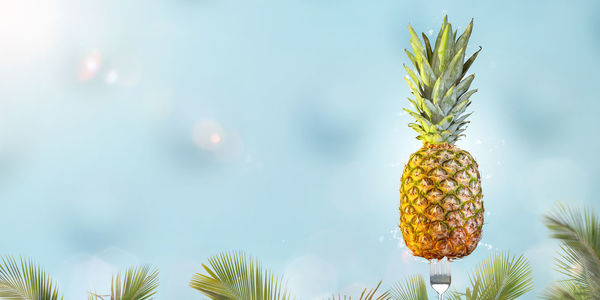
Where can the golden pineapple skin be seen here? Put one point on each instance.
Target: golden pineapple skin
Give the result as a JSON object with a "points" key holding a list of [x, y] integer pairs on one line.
{"points": [[441, 207]]}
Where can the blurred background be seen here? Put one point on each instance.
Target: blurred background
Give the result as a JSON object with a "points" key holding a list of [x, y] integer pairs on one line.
{"points": [[164, 132]]}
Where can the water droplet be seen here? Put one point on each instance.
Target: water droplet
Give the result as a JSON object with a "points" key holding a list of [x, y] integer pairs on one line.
{"points": [[487, 246]]}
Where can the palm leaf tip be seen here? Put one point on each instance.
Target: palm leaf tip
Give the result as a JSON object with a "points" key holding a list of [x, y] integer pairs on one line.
{"points": [[25, 279], [414, 288], [367, 294], [578, 230], [236, 276], [501, 276], [137, 283], [566, 290]]}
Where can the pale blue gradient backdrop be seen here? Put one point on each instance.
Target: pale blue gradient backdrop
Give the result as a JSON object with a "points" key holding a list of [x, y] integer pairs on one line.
{"points": [[99, 168]]}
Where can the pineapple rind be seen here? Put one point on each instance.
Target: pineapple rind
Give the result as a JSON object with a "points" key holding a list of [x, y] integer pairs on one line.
{"points": [[441, 207]]}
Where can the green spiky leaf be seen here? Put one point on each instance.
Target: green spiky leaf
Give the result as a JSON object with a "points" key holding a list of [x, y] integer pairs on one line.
{"points": [[413, 88], [452, 73], [501, 276], [137, 283], [427, 76], [464, 85], [463, 40], [25, 280], [439, 85], [448, 100], [579, 260], [414, 288], [470, 61], [234, 276], [428, 50], [412, 58], [415, 42], [412, 76], [367, 294]]}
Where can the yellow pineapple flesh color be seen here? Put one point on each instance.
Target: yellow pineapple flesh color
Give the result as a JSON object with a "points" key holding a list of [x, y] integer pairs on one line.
{"points": [[441, 207]]}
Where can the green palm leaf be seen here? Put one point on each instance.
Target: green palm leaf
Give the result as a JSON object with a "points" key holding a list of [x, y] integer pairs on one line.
{"points": [[94, 296], [140, 283], [579, 258], [25, 280], [367, 295], [500, 276], [414, 288], [235, 276], [566, 290]]}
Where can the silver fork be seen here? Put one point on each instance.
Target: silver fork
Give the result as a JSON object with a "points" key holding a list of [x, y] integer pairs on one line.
{"points": [[439, 276]]}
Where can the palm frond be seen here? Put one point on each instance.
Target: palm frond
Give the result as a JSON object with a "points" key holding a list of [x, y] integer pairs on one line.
{"points": [[235, 276], [579, 258], [138, 283], [95, 296], [500, 276], [413, 288], [367, 295], [566, 290], [25, 280]]}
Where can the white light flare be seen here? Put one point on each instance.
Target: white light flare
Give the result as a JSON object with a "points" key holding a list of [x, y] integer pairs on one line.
{"points": [[406, 256], [90, 66], [28, 29], [215, 138], [210, 136]]}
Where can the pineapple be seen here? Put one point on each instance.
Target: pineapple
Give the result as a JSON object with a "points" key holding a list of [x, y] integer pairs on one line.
{"points": [[441, 207]]}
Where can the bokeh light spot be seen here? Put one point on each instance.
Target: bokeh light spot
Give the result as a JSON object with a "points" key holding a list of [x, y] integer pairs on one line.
{"points": [[112, 77], [215, 138], [90, 66]]}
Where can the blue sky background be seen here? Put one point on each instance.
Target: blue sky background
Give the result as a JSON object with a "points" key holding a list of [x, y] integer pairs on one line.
{"points": [[164, 132]]}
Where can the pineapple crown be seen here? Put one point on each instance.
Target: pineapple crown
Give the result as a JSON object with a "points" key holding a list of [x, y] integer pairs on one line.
{"points": [[441, 91]]}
